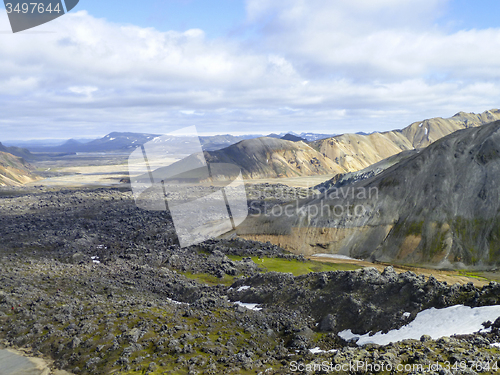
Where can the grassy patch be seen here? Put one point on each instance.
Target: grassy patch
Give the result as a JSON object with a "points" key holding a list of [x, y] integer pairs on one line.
{"points": [[475, 275], [209, 279], [297, 267]]}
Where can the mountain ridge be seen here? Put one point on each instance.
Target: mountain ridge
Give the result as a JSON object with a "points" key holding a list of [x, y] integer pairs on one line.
{"points": [[439, 206], [354, 152], [270, 157], [18, 151]]}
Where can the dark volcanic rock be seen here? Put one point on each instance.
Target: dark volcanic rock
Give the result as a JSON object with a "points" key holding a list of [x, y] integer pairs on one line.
{"points": [[150, 306]]}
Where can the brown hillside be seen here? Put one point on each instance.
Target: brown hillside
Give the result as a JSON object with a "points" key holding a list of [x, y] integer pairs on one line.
{"points": [[15, 171]]}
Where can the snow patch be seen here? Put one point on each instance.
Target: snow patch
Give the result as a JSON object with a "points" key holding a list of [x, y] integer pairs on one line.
{"points": [[177, 302], [406, 315], [426, 131], [453, 320], [317, 350], [251, 306], [95, 259], [241, 288], [496, 344]]}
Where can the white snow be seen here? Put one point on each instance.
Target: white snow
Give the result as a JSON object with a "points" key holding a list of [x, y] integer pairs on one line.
{"points": [[317, 350], [176, 302], [426, 131], [241, 288], [334, 256], [95, 259], [496, 344], [406, 314], [112, 139], [420, 124], [436, 323], [251, 306]]}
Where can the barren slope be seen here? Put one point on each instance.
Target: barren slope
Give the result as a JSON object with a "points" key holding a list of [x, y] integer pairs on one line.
{"points": [[269, 157], [14, 170]]}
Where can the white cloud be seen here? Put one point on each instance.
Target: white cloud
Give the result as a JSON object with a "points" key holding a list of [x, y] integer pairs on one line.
{"points": [[83, 90], [326, 65], [375, 39]]}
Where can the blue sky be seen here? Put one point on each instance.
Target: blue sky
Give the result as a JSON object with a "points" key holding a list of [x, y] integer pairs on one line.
{"points": [[253, 66], [217, 18], [221, 18], [466, 14]]}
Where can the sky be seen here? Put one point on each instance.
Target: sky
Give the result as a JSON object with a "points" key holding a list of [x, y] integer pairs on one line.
{"points": [[248, 66]]}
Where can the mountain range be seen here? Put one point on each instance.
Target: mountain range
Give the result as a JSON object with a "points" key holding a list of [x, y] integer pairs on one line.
{"points": [[437, 206], [353, 152], [126, 142], [270, 157]]}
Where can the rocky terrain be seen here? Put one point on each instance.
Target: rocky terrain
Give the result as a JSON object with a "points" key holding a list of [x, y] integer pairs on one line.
{"points": [[99, 285], [437, 206]]}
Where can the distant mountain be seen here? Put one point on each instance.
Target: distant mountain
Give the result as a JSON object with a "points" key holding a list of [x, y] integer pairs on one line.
{"points": [[216, 142], [439, 206], [18, 151], [307, 137], [293, 138], [310, 137], [35, 143], [70, 146], [354, 152], [118, 142], [113, 142], [15, 171], [274, 135], [124, 142]]}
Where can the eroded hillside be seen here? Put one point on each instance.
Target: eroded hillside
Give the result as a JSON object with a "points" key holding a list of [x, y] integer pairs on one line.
{"points": [[15, 171], [269, 157]]}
